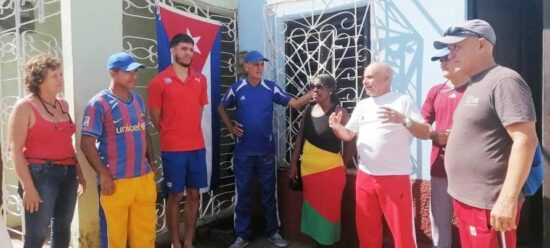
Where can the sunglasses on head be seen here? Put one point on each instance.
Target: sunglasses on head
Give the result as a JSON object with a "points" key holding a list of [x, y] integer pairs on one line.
{"points": [[459, 31], [318, 86]]}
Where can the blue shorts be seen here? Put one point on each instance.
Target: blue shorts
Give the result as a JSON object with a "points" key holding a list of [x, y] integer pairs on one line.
{"points": [[184, 170]]}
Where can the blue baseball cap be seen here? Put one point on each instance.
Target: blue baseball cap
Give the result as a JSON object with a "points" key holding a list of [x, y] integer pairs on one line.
{"points": [[441, 53], [123, 61], [254, 56]]}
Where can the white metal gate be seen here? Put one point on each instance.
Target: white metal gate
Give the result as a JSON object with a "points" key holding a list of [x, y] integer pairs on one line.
{"points": [[308, 38], [27, 28]]}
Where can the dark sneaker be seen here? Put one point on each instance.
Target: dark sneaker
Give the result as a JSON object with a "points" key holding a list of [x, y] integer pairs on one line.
{"points": [[239, 243], [278, 240]]}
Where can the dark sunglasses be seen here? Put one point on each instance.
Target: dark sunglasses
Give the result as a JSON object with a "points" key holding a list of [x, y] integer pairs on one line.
{"points": [[318, 86], [459, 31]]}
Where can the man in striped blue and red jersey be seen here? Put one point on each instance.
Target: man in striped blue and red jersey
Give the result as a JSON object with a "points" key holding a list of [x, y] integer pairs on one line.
{"points": [[116, 119]]}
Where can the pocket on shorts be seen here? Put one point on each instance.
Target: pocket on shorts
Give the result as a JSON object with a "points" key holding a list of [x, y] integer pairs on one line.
{"points": [[150, 187]]}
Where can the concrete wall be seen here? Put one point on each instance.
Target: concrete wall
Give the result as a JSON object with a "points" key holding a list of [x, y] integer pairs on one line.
{"points": [[251, 25], [91, 30]]}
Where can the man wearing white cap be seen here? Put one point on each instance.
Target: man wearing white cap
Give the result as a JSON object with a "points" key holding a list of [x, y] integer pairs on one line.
{"points": [[439, 107], [493, 139], [253, 98]]}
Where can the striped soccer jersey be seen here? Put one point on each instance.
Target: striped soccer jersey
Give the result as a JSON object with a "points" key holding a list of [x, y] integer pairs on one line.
{"points": [[120, 128]]}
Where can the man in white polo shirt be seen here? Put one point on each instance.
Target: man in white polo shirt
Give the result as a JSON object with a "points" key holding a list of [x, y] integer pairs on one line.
{"points": [[384, 124]]}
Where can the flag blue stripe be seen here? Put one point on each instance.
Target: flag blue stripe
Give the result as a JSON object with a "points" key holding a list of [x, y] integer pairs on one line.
{"points": [[163, 46], [215, 77]]}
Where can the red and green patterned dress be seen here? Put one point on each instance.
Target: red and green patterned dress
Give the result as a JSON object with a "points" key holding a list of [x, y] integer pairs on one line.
{"points": [[324, 177]]}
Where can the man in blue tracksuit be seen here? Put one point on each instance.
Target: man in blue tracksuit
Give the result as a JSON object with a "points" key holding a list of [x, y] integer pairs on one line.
{"points": [[253, 98]]}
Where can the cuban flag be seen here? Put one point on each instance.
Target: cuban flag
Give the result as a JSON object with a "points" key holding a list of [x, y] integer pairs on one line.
{"points": [[207, 60]]}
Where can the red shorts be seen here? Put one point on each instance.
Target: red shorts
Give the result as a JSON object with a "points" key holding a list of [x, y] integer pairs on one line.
{"points": [[475, 228]]}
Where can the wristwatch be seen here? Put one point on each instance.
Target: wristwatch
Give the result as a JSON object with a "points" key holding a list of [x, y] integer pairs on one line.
{"points": [[407, 122]]}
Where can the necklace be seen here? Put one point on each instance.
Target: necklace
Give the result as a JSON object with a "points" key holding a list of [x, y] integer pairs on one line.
{"points": [[51, 114], [54, 105]]}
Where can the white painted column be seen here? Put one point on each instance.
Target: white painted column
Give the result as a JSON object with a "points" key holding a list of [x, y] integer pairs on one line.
{"points": [[91, 32]]}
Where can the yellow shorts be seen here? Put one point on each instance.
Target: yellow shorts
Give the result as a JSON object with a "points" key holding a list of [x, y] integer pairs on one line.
{"points": [[130, 212]]}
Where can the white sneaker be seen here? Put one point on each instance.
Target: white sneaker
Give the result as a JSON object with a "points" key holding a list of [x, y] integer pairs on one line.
{"points": [[278, 240], [239, 243]]}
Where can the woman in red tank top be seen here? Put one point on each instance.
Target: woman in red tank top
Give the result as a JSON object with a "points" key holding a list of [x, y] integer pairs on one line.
{"points": [[40, 133]]}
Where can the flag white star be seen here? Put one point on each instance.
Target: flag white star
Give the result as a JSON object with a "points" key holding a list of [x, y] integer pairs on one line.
{"points": [[196, 40]]}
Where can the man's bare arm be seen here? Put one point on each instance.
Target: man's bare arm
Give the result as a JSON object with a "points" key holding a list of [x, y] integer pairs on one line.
{"points": [[524, 138], [87, 145], [298, 103], [155, 117]]}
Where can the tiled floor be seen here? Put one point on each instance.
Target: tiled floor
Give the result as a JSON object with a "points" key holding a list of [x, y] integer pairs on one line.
{"points": [[257, 243], [19, 244], [260, 242], [214, 235]]}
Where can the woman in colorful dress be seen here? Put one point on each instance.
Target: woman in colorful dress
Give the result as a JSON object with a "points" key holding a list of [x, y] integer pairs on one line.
{"points": [[40, 131], [322, 168]]}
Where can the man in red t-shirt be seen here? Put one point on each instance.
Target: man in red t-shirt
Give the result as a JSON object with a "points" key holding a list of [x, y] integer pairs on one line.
{"points": [[176, 98], [439, 107]]}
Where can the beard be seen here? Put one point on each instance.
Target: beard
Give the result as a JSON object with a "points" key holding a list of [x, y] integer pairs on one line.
{"points": [[180, 61]]}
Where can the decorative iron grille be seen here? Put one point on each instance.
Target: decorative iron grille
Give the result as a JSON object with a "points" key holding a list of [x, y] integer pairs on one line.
{"points": [[326, 37], [20, 39]]}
